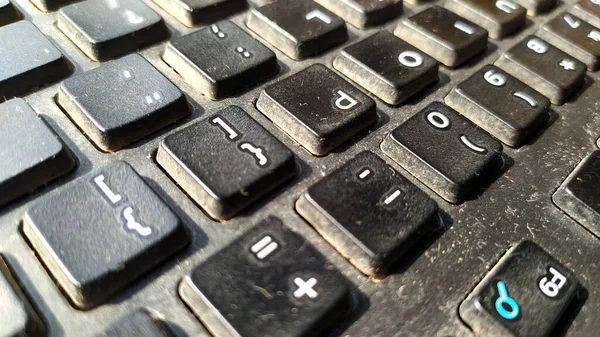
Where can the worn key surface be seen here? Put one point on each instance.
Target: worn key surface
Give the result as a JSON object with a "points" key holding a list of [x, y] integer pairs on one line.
{"points": [[445, 151], [26, 66], [226, 161], [201, 12], [525, 294], [369, 212], [388, 67], [105, 29], [499, 17], [299, 28], [28, 162], [119, 230], [221, 60], [138, 323], [317, 108], [364, 13], [268, 283], [121, 102]]}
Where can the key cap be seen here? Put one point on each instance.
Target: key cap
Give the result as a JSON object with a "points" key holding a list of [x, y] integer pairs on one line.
{"points": [[18, 316], [138, 323], [317, 108], [388, 67], [270, 282], [499, 17], [99, 234], [8, 13], [500, 104], [105, 29], [545, 68], [447, 37], [578, 195], [299, 28], [575, 37], [121, 102], [369, 212], [51, 5], [364, 13], [445, 151], [201, 12], [226, 162], [588, 10], [221, 60], [26, 66], [537, 7], [523, 295], [28, 162]]}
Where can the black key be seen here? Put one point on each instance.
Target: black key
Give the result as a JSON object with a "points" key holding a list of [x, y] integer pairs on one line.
{"points": [[364, 13], [8, 13], [268, 283], [388, 67], [18, 316], [317, 108], [445, 151], [575, 37], [105, 29], [545, 68], [136, 324], [32, 161], [201, 12], [500, 104], [578, 195], [26, 66], [523, 295], [499, 17], [537, 7], [369, 212], [299, 28], [121, 102], [588, 10], [221, 60], [226, 162], [51, 5], [447, 37], [102, 232]]}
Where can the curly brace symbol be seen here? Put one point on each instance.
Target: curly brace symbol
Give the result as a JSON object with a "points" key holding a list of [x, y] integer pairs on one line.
{"points": [[261, 158], [133, 225]]}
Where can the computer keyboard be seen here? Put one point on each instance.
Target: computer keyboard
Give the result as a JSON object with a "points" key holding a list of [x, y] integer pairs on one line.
{"points": [[343, 168]]}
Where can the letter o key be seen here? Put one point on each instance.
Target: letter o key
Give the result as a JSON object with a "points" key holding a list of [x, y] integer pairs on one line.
{"points": [[410, 59], [438, 120]]}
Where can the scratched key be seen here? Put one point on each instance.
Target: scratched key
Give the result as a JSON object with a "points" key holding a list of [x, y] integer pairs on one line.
{"points": [[226, 162], [103, 231]]}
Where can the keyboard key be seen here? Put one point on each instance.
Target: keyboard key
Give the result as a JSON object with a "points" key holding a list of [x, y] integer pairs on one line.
{"points": [[536, 7], [136, 324], [18, 316], [255, 162], [105, 29], [26, 66], [121, 102], [578, 196], [369, 212], [499, 17], [201, 12], [317, 108], [269, 282], [299, 28], [575, 37], [445, 151], [524, 295], [221, 60], [588, 10], [8, 13], [28, 162], [364, 13], [119, 230], [500, 104], [447, 37], [51, 5], [545, 68], [388, 67]]}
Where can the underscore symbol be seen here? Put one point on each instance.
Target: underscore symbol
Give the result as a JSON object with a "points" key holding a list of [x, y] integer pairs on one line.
{"points": [[231, 133], [133, 17], [464, 27], [319, 15], [262, 160], [133, 224], [305, 288], [114, 198], [264, 247]]}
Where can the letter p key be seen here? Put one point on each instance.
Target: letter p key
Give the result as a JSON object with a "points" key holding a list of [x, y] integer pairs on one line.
{"points": [[345, 102]]}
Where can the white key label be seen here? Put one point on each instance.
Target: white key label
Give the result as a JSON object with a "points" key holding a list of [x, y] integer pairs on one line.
{"points": [[305, 288], [112, 197], [319, 15], [345, 102], [133, 225], [410, 59], [552, 287], [229, 130], [264, 247]]}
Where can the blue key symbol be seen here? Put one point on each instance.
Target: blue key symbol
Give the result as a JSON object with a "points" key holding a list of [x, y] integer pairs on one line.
{"points": [[503, 301]]}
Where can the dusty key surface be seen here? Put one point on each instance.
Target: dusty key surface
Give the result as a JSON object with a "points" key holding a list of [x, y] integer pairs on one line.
{"points": [[139, 323], [499, 17], [201, 12], [364, 13]]}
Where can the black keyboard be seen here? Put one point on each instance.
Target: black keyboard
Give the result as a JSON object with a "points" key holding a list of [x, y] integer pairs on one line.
{"points": [[297, 168]]}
